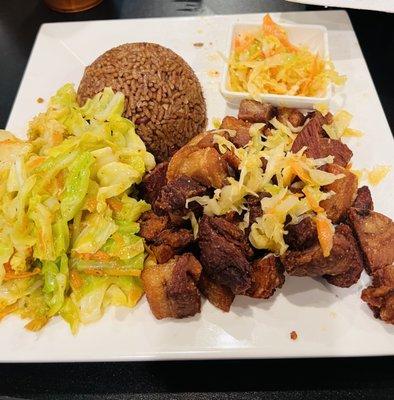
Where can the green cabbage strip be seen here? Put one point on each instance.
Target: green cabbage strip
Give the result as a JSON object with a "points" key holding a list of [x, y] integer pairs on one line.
{"points": [[69, 241]]}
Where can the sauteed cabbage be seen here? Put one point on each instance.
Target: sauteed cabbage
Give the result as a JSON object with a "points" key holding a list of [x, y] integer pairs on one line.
{"points": [[69, 241]]}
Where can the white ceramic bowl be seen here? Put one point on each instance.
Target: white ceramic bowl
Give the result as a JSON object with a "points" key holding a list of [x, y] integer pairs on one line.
{"points": [[313, 36]]}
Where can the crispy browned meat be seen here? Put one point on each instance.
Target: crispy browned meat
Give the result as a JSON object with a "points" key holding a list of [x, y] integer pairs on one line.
{"points": [[311, 262], [352, 275], [173, 196], [241, 128], [218, 295], [253, 203], [267, 276], [375, 235], [151, 225], [345, 192], [310, 135], [176, 238], [363, 201], [384, 276], [240, 138], [380, 296], [162, 252], [171, 287], [233, 217], [302, 235], [332, 147], [254, 111], [318, 146], [204, 165], [153, 182], [224, 253], [170, 242], [292, 115], [231, 159]]}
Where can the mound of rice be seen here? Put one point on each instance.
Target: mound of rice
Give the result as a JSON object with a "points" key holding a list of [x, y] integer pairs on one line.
{"points": [[163, 95]]}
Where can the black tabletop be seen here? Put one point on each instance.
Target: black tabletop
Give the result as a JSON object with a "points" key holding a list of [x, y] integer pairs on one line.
{"points": [[345, 378]]}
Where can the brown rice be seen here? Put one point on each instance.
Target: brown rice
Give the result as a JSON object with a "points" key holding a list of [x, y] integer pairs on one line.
{"points": [[163, 95]]}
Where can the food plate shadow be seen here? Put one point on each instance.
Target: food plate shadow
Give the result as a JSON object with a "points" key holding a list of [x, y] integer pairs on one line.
{"points": [[307, 292], [244, 306]]}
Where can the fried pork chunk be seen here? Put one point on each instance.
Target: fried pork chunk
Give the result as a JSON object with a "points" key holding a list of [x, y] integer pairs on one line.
{"points": [[241, 128], [151, 225], [173, 196], [363, 201], [224, 253], [171, 287], [375, 235], [267, 276], [295, 117], [218, 295], [345, 192], [153, 182], [344, 258], [332, 147], [163, 238], [253, 204], [302, 235], [171, 242], [254, 111], [380, 296], [204, 165], [317, 146]]}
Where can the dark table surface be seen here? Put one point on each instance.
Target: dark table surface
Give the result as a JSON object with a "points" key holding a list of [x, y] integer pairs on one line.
{"points": [[349, 378]]}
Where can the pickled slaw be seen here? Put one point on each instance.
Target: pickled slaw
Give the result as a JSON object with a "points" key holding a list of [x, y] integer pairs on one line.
{"points": [[266, 62]]}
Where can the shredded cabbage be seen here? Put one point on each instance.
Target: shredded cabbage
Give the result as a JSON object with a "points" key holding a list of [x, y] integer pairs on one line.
{"points": [[68, 230], [290, 197], [265, 61]]}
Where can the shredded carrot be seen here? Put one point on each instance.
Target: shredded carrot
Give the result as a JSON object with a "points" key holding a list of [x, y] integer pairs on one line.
{"points": [[271, 28], [241, 42], [288, 176], [300, 172], [314, 72], [112, 272], [75, 280], [97, 256], [7, 267], [8, 310], [57, 138], [11, 275], [91, 204], [115, 204], [134, 296], [36, 324], [60, 180], [312, 201], [325, 233], [118, 239], [35, 163]]}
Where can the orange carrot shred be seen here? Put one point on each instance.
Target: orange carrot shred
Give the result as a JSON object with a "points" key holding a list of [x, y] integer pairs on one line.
{"points": [[112, 272], [115, 204], [75, 280], [325, 234], [36, 324], [11, 275], [8, 310]]}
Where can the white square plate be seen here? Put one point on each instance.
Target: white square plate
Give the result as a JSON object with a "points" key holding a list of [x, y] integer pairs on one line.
{"points": [[329, 321]]}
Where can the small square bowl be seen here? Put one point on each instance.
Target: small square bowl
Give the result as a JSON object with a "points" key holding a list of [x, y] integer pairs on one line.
{"points": [[313, 36]]}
